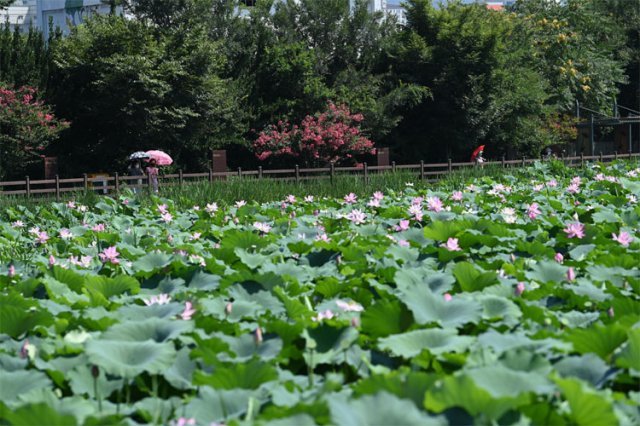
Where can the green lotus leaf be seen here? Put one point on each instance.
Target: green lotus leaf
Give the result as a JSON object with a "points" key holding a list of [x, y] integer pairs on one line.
{"points": [[629, 357], [501, 382], [438, 282], [245, 347], [157, 410], [249, 375], [36, 414], [461, 391], [17, 384], [428, 307], [587, 367], [109, 287], [180, 374], [128, 359], [587, 407], [203, 281], [138, 312], [380, 409], [251, 260], [384, 318], [435, 340], [584, 287], [577, 319], [599, 339], [156, 329], [329, 344], [151, 262], [82, 382], [295, 420], [411, 385], [500, 307], [547, 271], [517, 340], [578, 253], [470, 279], [18, 317], [218, 405]]}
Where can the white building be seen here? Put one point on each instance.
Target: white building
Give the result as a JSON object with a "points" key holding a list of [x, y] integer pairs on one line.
{"points": [[63, 13]]}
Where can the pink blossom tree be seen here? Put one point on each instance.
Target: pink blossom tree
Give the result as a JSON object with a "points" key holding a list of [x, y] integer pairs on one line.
{"points": [[333, 135], [27, 126]]}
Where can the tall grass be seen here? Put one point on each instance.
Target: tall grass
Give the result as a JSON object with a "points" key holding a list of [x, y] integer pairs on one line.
{"points": [[263, 190]]}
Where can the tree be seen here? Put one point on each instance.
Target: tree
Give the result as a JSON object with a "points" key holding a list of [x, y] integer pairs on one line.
{"points": [[128, 87], [331, 136], [27, 126]]}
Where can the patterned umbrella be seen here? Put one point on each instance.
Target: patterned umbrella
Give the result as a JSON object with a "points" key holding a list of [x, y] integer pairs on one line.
{"points": [[161, 157], [138, 155]]}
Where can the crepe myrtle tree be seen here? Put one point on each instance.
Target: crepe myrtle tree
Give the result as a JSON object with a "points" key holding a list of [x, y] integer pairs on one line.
{"points": [[333, 135], [27, 127]]}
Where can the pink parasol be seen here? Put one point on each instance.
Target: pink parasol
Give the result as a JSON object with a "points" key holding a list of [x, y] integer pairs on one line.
{"points": [[162, 158], [476, 152]]}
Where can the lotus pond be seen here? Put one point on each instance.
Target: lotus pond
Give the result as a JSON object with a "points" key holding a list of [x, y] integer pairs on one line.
{"points": [[510, 301]]}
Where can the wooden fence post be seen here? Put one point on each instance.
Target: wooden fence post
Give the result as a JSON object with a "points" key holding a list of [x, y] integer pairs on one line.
{"points": [[524, 161], [180, 178], [366, 173], [421, 169], [393, 166], [117, 182], [504, 162], [332, 172], [240, 172], [449, 165], [615, 155], [210, 175], [259, 172], [85, 182], [600, 156], [57, 188], [582, 159], [27, 183], [297, 174]]}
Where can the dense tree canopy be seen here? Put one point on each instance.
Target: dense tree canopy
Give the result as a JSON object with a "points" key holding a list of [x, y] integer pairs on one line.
{"points": [[190, 75]]}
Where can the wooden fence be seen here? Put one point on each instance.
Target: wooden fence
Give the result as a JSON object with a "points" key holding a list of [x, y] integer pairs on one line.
{"points": [[115, 182]]}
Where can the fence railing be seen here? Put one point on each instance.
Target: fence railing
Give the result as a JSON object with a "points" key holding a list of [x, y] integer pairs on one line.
{"points": [[113, 183]]}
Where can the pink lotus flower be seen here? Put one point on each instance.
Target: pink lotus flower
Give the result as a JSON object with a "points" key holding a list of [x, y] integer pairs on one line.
{"points": [[83, 261], [356, 216], [328, 314], [533, 210], [241, 203], [434, 204], [447, 297], [195, 236], [349, 306], [350, 198], [52, 260], [308, 199], [65, 234], [17, 224], [378, 195], [291, 199], [559, 257], [457, 196], [573, 188], [571, 274], [98, 228], [373, 203], [262, 227], [451, 245], [42, 237], [403, 243], [575, 230], [323, 237], [183, 421], [211, 208], [166, 217], [110, 255], [520, 288], [162, 208], [12, 271], [416, 212], [403, 225], [188, 311], [552, 183], [71, 204], [624, 238]]}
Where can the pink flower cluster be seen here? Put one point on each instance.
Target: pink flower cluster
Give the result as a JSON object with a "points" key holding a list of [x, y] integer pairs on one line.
{"points": [[331, 136]]}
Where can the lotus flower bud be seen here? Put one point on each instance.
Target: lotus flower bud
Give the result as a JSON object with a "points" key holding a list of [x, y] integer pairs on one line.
{"points": [[520, 288], [610, 312], [228, 308], [95, 371], [447, 297], [559, 257], [258, 336], [12, 270], [355, 322], [571, 274]]}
